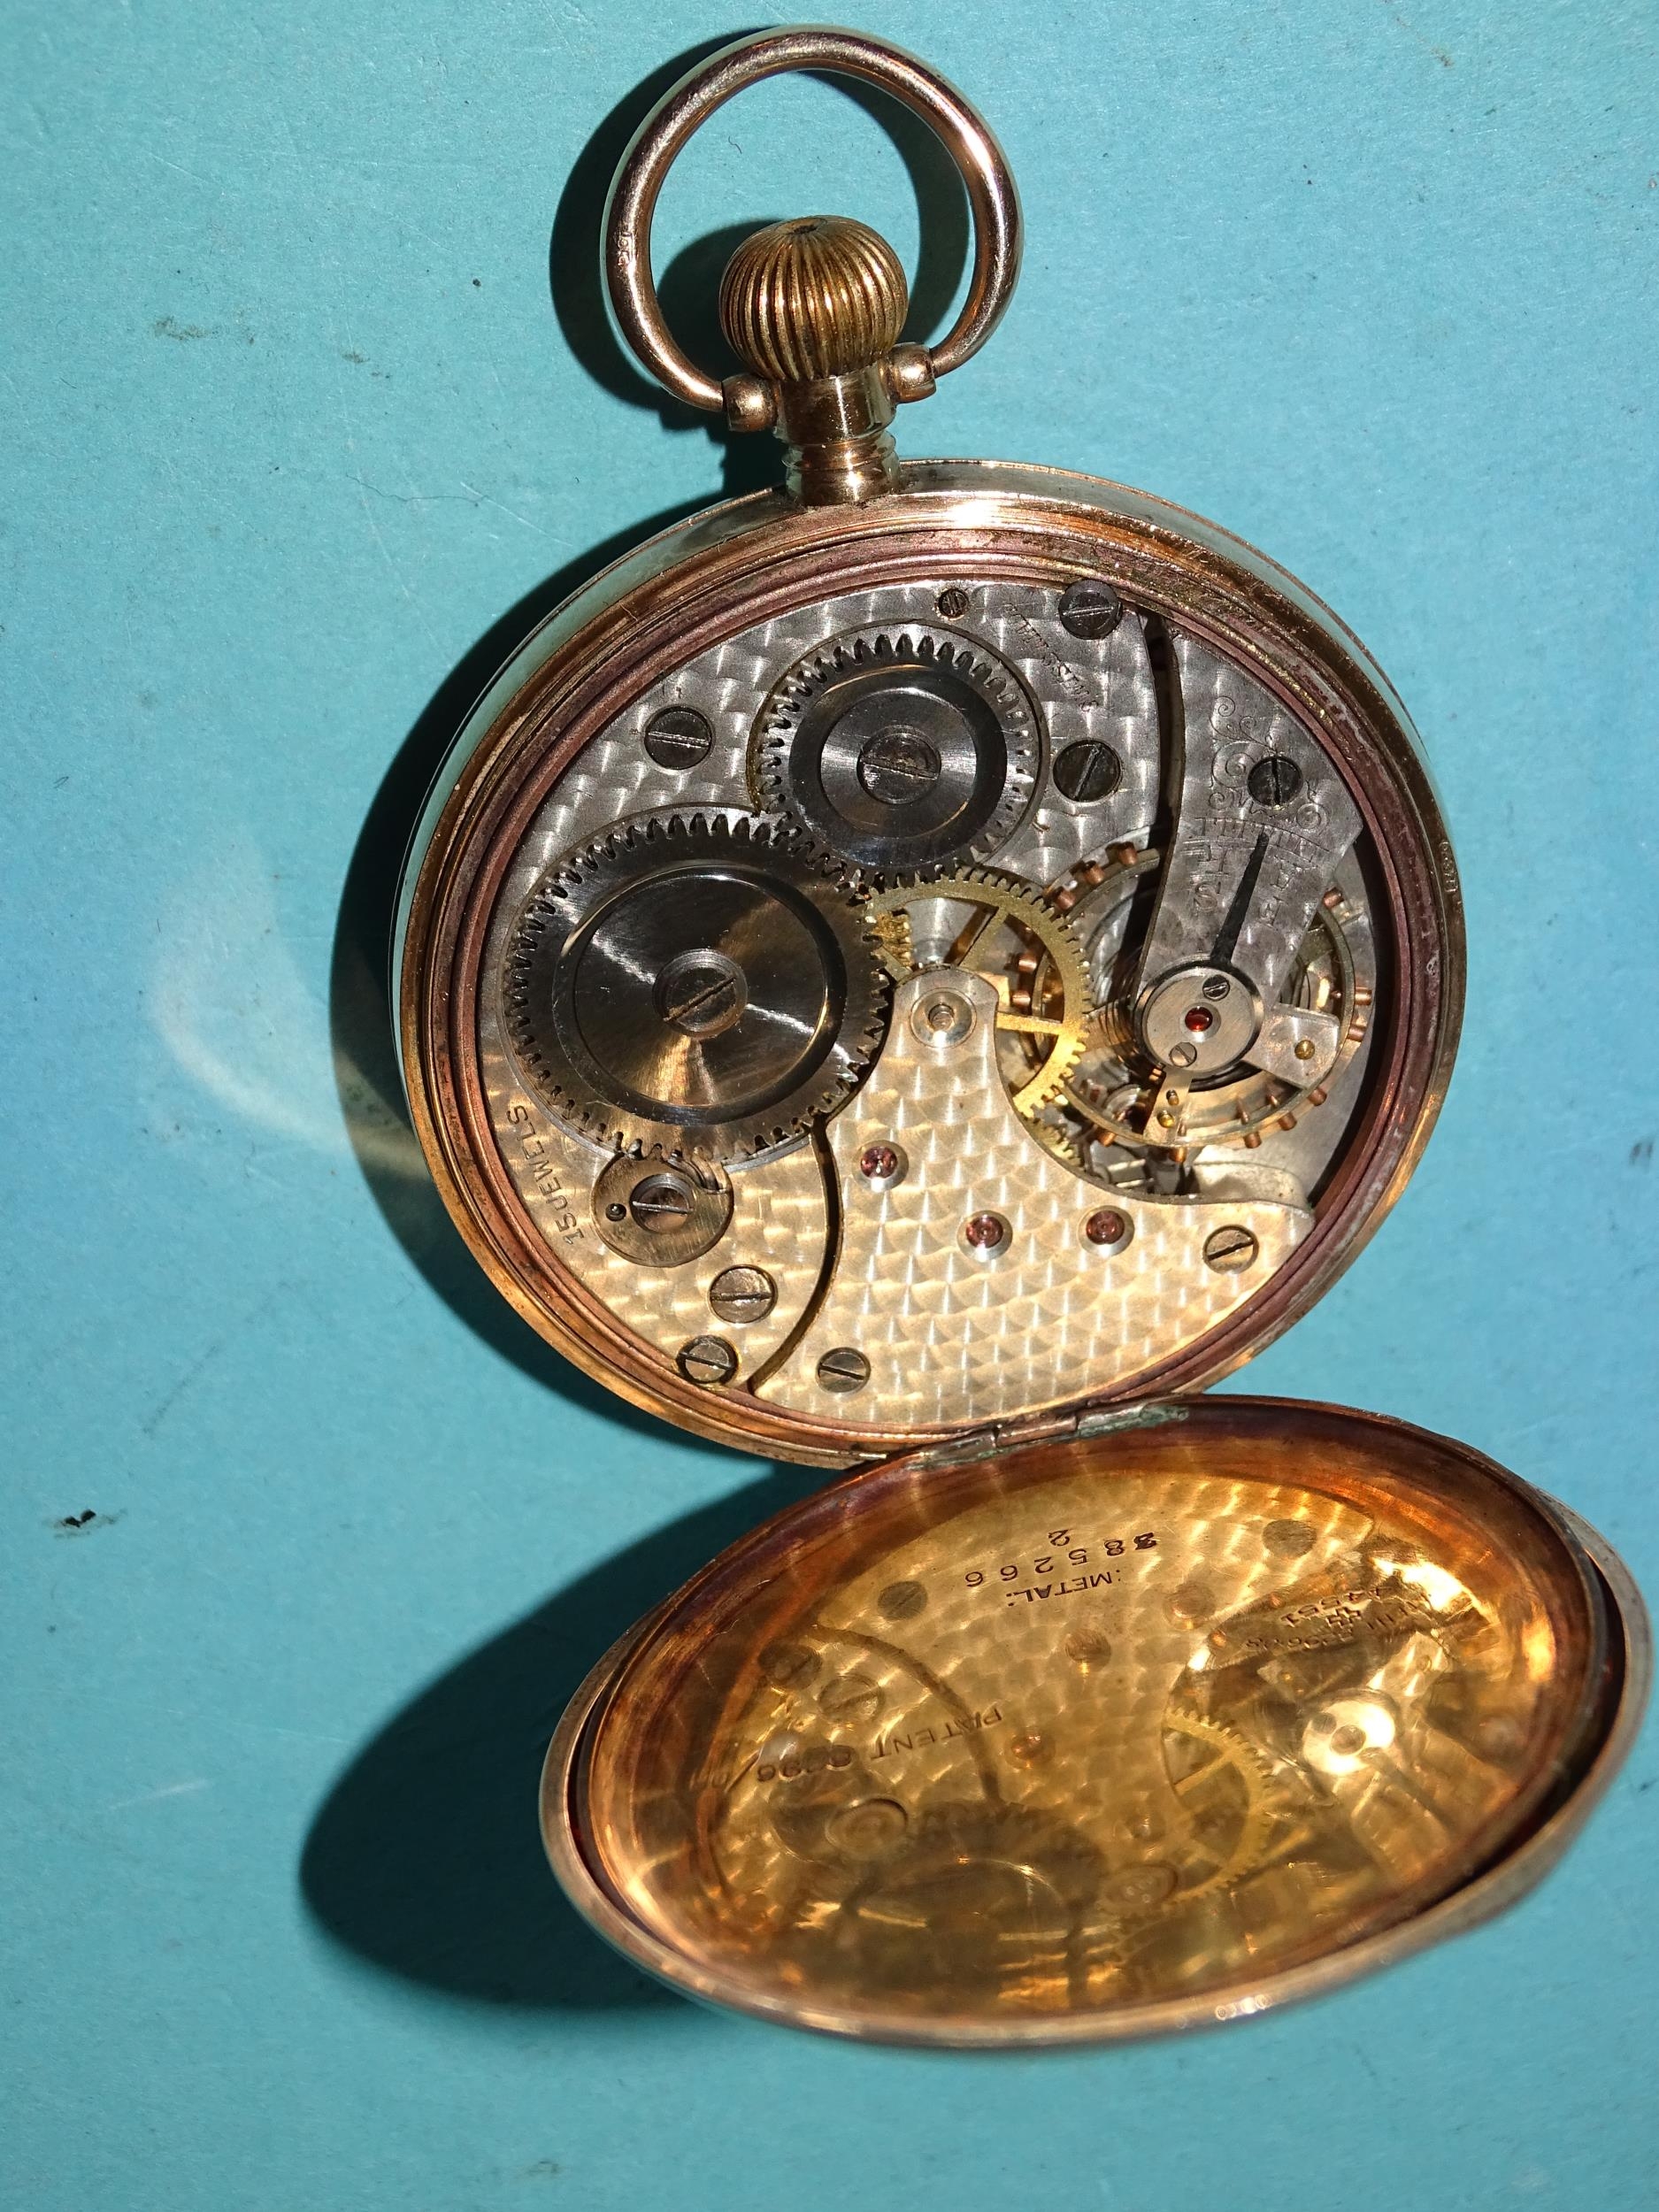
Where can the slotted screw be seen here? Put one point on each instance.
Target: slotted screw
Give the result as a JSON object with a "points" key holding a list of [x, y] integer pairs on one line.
{"points": [[678, 737], [1230, 1251], [1275, 780], [743, 1294], [1090, 608], [707, 1359], [660, 1204], [1087, 769], [842, 1370]]}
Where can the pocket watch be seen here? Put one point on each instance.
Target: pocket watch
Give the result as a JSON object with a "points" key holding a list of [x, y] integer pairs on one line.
{"points": [[919, 971]]}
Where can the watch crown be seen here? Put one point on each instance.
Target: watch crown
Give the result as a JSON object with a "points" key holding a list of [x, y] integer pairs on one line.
{"points": [[819, 296]]}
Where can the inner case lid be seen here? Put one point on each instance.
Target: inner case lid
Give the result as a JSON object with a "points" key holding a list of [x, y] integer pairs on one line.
{"points": [[1098, 1737]]}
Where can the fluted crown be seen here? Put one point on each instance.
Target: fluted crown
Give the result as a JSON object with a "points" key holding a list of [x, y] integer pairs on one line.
{"points": [[819, 296]]}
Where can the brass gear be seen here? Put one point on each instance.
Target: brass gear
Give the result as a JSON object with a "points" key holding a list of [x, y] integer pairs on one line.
{"points": [[1041, 977], [1236, 1755]]}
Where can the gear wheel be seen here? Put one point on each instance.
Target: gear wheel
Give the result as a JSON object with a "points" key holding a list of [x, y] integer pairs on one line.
{"points": [[699, 986], [900, 751], [1223, 1783], [997, 927]]}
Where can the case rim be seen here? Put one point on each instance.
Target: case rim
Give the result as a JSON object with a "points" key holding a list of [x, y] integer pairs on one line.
{"points": [[732, 566], [1612, 1721]]}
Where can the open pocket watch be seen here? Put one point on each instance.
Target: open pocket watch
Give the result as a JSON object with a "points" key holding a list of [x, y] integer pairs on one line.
{"points": [[921, 971]]}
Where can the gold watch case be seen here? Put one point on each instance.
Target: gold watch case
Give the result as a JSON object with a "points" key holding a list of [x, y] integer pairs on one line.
{"points": [[923, 970]]}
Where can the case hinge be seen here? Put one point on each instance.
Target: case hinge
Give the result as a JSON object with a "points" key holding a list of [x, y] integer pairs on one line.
{"points": [[1044, 1428]]}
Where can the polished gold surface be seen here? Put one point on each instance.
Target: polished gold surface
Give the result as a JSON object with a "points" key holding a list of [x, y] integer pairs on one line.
{"points": [[1095, 1738]]}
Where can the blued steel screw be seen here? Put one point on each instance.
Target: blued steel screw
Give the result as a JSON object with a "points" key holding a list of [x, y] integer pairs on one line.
{"points": [[952, 602], [708, 1359], [1088, 770], [678, 737], [743, 1294], [1230, 1251], [1090, 608], [1275, 780], [842, 1370]]}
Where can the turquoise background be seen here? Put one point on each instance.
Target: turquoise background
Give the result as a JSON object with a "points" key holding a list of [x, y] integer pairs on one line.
{"points": [[292, 420]]}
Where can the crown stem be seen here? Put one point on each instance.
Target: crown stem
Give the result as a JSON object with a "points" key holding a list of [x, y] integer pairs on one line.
{"points": [[813, 308]]}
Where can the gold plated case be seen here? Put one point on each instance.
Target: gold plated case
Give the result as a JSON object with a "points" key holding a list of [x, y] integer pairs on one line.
{"points": [[923, 970]]}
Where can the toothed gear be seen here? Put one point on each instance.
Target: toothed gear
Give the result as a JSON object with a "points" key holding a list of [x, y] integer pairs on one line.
{"points": [[999, 927], [900, 750], [699, 986], [1248, 1809]]}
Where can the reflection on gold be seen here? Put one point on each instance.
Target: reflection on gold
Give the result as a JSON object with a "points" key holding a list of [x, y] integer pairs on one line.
{"points": [[1081, 1728]]}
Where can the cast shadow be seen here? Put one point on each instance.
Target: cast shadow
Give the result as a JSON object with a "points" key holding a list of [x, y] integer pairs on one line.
{"points": [[424, 1858], [365, 1060]]}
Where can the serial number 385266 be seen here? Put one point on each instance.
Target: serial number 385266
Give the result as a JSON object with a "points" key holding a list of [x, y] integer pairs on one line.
{"points": [[1066, 1553]]}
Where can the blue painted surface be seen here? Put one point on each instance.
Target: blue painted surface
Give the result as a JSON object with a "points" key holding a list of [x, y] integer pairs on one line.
{"points": [[292, 421]]}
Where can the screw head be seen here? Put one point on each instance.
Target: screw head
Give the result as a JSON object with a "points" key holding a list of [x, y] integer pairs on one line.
{"points": [[843, 1369], [1288, 1540], [706, 1360], [1183, 1055], [853, 1697], [1230, 1250], [898, 766], [743, 1294], [952, 602], [678, 737], [1274, 780], [659, 1203], [1217, 986], [1305, 1047], [902, 1600], [984, 1232], [789, 1666], [1090, 608], [1088, 770], [1107, 1225], [701, 993]]}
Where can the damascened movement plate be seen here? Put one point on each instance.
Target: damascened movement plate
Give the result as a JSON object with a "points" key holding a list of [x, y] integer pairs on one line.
{"points": [[1090, 1738]]}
